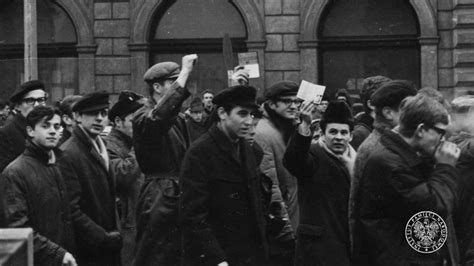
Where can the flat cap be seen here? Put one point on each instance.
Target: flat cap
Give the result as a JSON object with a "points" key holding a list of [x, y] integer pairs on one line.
{"points": [[92, 102], [241, 95], [280, 89], [392, 93], [162, 71], [25, 88]]}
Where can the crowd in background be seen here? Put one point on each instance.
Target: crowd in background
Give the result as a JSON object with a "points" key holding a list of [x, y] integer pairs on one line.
{"points": [[236, 179]]}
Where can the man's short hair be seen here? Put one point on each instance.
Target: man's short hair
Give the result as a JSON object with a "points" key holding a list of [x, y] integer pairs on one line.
{"points": [[39, 113], [391, 94], [420, 109], [207, 91], [369, 86]]}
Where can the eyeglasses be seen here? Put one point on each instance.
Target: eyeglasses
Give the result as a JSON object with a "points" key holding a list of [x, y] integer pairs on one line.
{"points": [[438, 130], [31, 100], [288, 102]]}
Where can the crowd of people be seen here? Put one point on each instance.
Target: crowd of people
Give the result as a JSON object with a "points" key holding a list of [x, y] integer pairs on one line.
{"points": [[236, 179]]}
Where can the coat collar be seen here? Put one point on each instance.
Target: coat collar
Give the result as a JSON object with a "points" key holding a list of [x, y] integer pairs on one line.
{"points": [[394, 142], [86, 140], [33, 150], [224, 143]]}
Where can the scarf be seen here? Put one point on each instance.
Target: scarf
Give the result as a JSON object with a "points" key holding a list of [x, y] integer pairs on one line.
{"points": [[347, 158]]}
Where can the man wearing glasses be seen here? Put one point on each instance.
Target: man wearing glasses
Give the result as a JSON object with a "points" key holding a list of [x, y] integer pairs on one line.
{"points": [[13, 134], [272, 134], [398, 182]]}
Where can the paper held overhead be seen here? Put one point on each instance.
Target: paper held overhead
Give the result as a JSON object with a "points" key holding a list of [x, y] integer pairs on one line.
{"points": [[250, 62], [311, 92]]}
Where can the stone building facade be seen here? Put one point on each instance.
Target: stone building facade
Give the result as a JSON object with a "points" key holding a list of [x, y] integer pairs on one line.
{"points": [[428, 41]]}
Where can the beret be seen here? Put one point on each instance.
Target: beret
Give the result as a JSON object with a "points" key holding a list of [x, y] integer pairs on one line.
{"points": [[92, 102], [338, 112], [280, 89], [162, 71], [242, 95], [128, 102], [25, 88], [196, 105], [392, 93]]}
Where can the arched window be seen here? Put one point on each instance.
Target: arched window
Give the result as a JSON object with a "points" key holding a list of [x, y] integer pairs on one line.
{"points": [[189, 26], [366, 38], [57, 64]]}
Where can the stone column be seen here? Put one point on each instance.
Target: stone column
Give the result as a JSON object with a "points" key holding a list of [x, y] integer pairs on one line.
{"points": [[429, 62], [139, 63], [86, 68], [309, 61]]}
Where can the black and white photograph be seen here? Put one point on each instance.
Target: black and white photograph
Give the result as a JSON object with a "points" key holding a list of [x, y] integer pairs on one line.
{"points": [[237, 132]]}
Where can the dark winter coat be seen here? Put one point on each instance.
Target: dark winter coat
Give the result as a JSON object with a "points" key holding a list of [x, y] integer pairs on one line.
{"points": [[12, 139], [161, 140], [91, 191], [464, 214], [36, 197], [362, 129], [195, 129], [222, 208], [323, 194], [396, 184], [129, 179]]}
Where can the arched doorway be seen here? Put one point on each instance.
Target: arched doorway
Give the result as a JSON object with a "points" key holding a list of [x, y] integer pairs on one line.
{"points": [[57, 64], [311, 45], [364, 38], [188, 26]]}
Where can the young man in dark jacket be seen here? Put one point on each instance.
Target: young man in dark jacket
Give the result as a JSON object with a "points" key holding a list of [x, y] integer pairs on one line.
{"points": [[323, 171], [400, 181], [36, 194], [221, 207], [13, 133], [124, 167], [91, 187]]}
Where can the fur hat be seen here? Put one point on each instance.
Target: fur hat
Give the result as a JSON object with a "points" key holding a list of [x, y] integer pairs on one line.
{"points": [[337, 112]]}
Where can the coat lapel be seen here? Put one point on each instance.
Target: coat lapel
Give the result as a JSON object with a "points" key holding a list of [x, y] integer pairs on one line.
{"points": [[87, 143]]}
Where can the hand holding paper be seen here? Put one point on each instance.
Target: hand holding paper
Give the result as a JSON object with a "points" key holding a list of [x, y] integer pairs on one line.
{"points": [[311, 92]]}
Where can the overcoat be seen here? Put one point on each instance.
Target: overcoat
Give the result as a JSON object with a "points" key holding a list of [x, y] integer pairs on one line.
{"points": [[128, 179], [160, 141], [222, 204], [12, 139], [91, 191], [323, 194], [397, 183], [36, 197]]}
